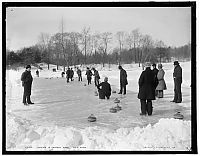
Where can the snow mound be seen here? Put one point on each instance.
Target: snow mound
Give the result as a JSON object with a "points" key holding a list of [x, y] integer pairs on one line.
{"points": [[22, 135]]}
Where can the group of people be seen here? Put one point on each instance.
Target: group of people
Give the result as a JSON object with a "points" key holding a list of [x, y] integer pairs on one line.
{"points": [[151, 84]]}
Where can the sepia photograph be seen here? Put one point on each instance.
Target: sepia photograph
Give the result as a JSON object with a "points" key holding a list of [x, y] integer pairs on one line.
{"points": [[99, 78]]}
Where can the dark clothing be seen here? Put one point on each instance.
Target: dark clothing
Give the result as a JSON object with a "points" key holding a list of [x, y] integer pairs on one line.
{"points": [[146, 107], [37, 73], [62, 74], [105, 90], [89, 76], [147, 85], [27, 80], [177, 84], [155, 71], [68, 74], [79, 75], [96, 77], [71, 74], [123, 81]]}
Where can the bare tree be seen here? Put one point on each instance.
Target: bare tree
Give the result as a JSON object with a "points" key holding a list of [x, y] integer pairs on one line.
{"points": [[121, 39], [45, 42], [85, 40], [136, 42]]}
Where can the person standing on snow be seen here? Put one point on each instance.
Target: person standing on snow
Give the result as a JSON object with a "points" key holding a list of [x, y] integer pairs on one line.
{"points": [[89, 75], [155, 71], [161, 82], [27, 80], [37, 73], [71, 74], [96, 77], [68, 74], [123, 80], [105, 90], [147, 85], [177, 75], [79, 73]]}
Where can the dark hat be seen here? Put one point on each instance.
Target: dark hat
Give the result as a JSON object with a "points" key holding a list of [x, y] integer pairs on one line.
{"points": [[176, 63], [28, 66], [154, 65], [119, 67]]}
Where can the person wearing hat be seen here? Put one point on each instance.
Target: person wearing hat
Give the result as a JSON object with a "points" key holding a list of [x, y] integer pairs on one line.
{"points": [[177, 75], [123, 80], [96, 77], [155, 71], [27, 80], [105, 90], [161, 82], [147, 85], [89, 75]]}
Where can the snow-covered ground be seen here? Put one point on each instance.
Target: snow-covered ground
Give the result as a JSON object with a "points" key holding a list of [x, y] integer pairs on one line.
{"points": [[58, 119]]}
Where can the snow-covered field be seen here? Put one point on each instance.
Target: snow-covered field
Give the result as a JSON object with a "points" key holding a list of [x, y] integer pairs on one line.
{"points": [[58, 119]]}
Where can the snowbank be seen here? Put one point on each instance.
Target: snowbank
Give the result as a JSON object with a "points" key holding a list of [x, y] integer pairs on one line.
{"points": [[22, 135]]}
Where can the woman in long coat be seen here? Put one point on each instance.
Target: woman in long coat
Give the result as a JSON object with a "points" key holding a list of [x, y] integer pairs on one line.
{"points": [[161, 82], [147, 85]]}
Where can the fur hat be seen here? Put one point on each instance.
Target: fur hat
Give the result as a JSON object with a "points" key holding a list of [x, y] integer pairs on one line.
{"points": [[154, 65], [159, 65], [106, 79], [28, 66], [119, 67]]}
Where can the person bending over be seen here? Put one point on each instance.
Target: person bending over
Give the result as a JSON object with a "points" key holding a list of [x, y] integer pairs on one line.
{"points": [[104, 89]]}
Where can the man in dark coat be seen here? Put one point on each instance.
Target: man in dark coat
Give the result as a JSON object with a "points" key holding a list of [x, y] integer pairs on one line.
{"points": [[37, 73], [123, 80], [68, 74], [96, 77], [105, 90], [27, 80], [79, 73], [155, 71], [177, 75], [89, 75], [147, 85], [71, 74]]}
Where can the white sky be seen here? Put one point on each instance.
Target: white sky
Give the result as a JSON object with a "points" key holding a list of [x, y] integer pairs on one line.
{"points": [[24, 25]]}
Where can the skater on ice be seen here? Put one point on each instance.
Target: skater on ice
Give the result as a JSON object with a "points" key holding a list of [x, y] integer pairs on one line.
{"points": [[104, 89], [96, 77], [123, 80], [177, 75], [79, 73], [161, 82], [89, 75], [27, 80], [147, 85]]}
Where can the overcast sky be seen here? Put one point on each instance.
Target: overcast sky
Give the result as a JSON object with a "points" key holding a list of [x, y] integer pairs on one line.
{"points": [[24, 25]]}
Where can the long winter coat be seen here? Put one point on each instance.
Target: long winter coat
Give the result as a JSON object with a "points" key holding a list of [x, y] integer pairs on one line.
{"points": [[147, 85], [161, 82], [123, 77], [27, 80], [177, 74], [89, 74], [105, 88]]}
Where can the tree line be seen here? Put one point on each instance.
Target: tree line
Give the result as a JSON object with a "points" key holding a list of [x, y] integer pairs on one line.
{"points": [[85, 47]]}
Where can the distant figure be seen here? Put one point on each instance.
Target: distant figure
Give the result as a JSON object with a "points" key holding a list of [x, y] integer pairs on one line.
{"points": [[79, 73], [147, 85], [155, 71], [68, 74], [62, 74], [37, 73], [71, 74], [161, 82], [27, 80], [89, 75], [177, 75], [105, 90], [96, 77], [123, 80]]}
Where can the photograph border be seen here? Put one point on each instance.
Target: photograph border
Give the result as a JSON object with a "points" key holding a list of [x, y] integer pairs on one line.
{"points": [[191, 4]]}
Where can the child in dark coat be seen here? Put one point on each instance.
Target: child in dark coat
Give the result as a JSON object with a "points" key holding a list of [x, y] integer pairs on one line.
{"points": [[105, 90]]}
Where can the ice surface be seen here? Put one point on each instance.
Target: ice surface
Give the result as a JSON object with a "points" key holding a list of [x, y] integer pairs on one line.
{"points": [[58, 119]]}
